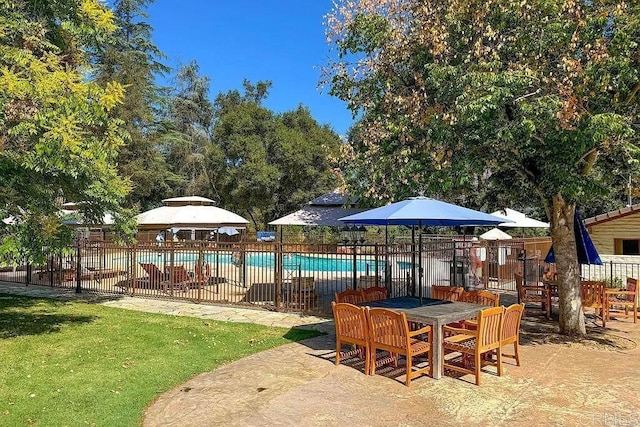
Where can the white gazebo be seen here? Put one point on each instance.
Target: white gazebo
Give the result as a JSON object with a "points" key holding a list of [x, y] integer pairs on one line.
{"points": [[190, 214]]}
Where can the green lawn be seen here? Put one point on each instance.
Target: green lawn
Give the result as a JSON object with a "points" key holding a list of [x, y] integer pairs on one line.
{"points": [[80, 364]]}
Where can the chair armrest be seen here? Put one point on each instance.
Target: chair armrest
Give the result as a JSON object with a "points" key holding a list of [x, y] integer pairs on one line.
{"points": [[420, 331], [612, 292], [472, 322], [459, 331]]}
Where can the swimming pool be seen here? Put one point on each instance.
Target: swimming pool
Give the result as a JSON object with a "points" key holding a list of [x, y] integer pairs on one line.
{"points": [[290, 262]]}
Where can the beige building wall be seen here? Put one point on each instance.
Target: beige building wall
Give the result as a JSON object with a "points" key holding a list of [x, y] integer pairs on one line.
{"points": [[604, 234]]}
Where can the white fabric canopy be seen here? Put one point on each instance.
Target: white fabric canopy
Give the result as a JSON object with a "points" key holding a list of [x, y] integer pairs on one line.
{"points": [[495, 234], [519, 219], [189, 216]]}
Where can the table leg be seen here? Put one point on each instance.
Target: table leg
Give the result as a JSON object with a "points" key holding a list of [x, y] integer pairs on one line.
{"points": [[436, 349]]}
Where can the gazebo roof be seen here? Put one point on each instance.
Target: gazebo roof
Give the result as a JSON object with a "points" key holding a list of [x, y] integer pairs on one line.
{"points": [[189, 212]]}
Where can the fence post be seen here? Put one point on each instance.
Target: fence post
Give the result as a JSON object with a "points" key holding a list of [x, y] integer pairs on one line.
{"points": [[611, 272], [134, 267], [28, 274], [78, 270], [455, 266], [51, 270], [375, 261], [278, 273], [355, 266]]}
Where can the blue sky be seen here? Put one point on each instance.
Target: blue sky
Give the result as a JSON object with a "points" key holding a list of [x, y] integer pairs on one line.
{"points": [[277, 40]]}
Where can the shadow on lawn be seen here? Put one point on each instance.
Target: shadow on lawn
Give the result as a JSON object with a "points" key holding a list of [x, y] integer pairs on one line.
{"points": [[20, 316]]}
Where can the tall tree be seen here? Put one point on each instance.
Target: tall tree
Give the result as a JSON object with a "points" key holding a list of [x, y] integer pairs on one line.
{"points": [[186, 133], [536, 97], [131, 59], [58, 136], [265, 164]]}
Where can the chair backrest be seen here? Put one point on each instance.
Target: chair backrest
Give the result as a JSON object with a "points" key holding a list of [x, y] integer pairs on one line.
{"points": [[592, 293], [388, 329], [446, 293], [632, 286], [481, 297], [351, 322], [351, 296], [375, 293], [155, 275], [489, 328], [511, 322]]}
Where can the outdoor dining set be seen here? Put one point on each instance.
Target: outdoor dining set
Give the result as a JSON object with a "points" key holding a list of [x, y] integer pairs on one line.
{"points": [[594, 294], [454, 330]]}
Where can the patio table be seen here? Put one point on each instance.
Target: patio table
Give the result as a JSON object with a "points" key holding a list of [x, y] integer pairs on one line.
{"points": [[436, 313]]}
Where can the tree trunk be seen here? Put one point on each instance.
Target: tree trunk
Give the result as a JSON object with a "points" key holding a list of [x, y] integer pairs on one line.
{"points": [[566, 254]]}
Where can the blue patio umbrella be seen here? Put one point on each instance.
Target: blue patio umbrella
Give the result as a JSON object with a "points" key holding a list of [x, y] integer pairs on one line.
{"points": [[421, 211], [587, 252]]}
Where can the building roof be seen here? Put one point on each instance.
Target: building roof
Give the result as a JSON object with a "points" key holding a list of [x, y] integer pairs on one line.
{"points": [[316, 215], [610, 216], [334, 199]]}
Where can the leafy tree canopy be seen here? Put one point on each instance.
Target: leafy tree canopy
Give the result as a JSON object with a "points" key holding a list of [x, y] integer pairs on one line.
{"points": [[267, 164], [130, 58], [535, 100], [58, 137]]}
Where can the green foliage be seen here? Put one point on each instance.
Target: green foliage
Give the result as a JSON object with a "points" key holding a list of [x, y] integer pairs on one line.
{"points": [[107, 365], [265, 164], [58, 137], [532, 103], [526, 100], [130, 58], [241, 154]]}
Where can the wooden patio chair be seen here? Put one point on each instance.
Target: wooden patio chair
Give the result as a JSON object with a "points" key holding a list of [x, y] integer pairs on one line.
{"points": [[180, 278], [511, 330], [375, 293], [351, 328], [389, 331], [619, 300], [481, 297], [303, 292], [472, 344], [593, 296], [476, 297], [351, 296], [534, 294], [446, 293], [157, 279]]}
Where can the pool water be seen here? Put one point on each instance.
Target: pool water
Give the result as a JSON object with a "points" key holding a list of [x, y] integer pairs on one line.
{"points": [[289, 261]]}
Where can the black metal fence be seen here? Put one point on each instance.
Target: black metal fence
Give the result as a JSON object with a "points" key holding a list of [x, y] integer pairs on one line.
{"points": [[280, 276]]}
